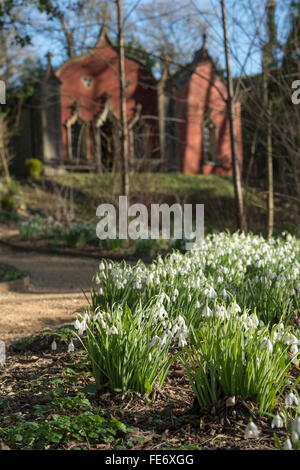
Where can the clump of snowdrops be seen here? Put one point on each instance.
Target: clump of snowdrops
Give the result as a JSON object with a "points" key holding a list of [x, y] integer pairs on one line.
{"points": [[232, 352], [131, 351], [261, 275], [228, 302]]}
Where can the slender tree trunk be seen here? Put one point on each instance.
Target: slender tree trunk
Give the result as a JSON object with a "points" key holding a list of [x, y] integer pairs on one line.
{"points": [[270, 172], [268, 62], [161, 112], [240, 213], [3, 144], [124, 159]]}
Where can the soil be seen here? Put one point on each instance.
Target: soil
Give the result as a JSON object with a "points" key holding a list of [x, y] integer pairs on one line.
{"points": [[53, 298], [169, 420]]}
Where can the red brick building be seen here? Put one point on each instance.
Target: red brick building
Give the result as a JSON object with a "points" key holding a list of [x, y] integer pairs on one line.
{"points": [[179, 123]]}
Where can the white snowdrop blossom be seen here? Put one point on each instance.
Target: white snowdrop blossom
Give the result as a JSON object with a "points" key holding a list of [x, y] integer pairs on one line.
{"points": [[291, 400], [53, 345], [251, 431], [113, 331], [277, 422], [287, 445], [294, 437], [296, 425]]}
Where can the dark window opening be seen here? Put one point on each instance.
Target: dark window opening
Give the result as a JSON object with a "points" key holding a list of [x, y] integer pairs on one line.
{"points": [[141, 141], [209, 143], [108, 145], [78, 141]]}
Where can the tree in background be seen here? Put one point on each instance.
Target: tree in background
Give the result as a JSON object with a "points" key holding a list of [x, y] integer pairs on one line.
{"points": [[269, 63], [239, 202], [76, 25], [14, 24], [122, 80]]}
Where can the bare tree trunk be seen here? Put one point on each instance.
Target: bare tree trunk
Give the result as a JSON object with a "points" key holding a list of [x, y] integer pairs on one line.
{"points": [[161, 112], [270, 172], [240, 213], [124, 160], [3, 145], [268, 62]]}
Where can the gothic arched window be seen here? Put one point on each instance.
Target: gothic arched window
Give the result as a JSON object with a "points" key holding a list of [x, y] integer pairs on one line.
{"points": [[209, 141], [141, 140], [77, 137]]}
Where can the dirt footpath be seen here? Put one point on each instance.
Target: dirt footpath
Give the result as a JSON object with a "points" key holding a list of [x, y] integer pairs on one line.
{"points": [[54, 296]]}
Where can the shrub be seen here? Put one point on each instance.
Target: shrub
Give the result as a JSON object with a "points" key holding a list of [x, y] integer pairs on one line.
{"points": [[80, 234], [34, 168], [6, 216], [9, 202], [31, 228], [148, 245], [113, 244]]}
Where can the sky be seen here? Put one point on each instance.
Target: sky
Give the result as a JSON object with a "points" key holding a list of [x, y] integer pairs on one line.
{"points": [[245, 29]]}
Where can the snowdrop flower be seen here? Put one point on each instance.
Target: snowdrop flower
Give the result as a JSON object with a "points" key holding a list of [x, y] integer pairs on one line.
{"points": [[80, 326], [267, 344], [161, 313], [290, 339], [152, 342], [210, 293], [294, 349], [149, 357], [98, 316], [101, 291], [236, 308], [113, 331], [182, 341], [71, 348], [277, 422], [53, 345], [225, 295], [287, 445], [207, 312], [101, 266], [294, 437], [253, 320], [251, 431], [197, 304], [220, 312], [296, 425], [291, 400]]}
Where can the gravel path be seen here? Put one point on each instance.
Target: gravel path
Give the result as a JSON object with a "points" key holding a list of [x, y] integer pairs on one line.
{"points": [[54, 296]]}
